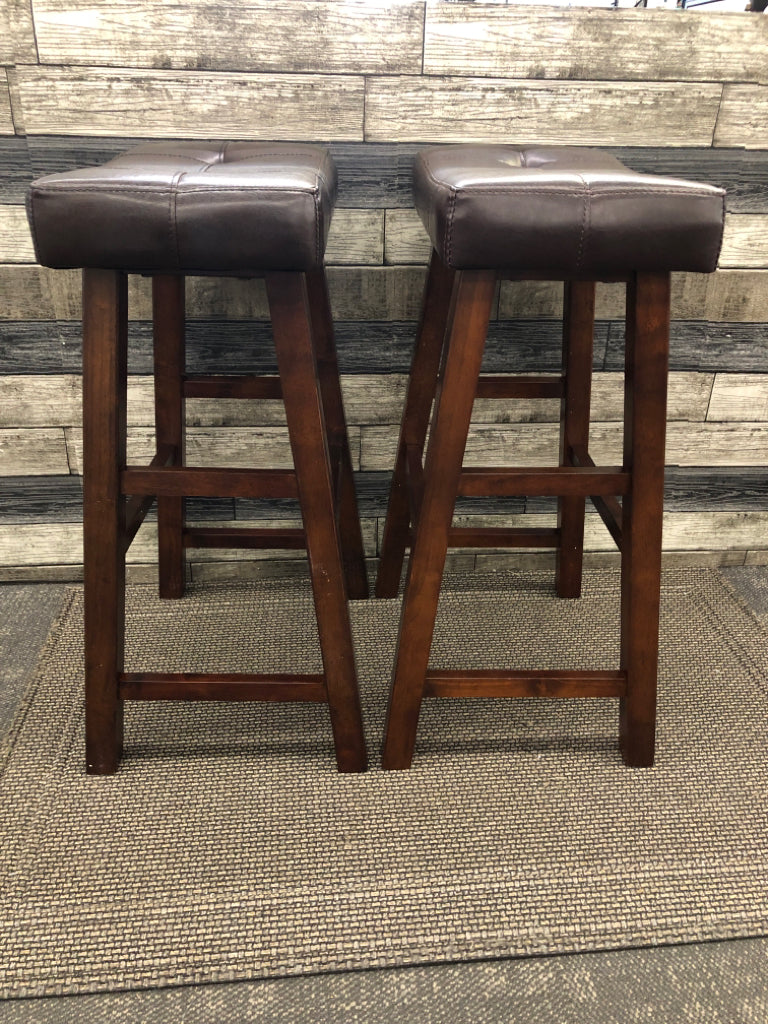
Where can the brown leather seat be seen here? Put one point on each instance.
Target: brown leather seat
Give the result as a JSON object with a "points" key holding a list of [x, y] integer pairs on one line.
{"points": [[562, 210], [193, 208]]}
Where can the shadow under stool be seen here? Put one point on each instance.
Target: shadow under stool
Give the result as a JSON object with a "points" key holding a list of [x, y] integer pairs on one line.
{"points": [[169, 210], [558, 214]]}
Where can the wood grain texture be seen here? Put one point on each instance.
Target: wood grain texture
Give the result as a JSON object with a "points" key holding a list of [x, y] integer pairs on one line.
{"points": [[743, 117], [745, 242], [688, 444], [233, 447], [735, 295], [405, 238], [198, 105], [456, 109], [737, 397], [356, 237], [6, 118], [33, 453], [549, 42], [15, 238], [21, 45], [326, 36]]}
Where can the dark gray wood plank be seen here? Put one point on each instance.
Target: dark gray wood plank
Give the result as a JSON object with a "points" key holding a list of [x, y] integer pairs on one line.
{"points": [[15, 169], [698, 489], [384, 347], [697, 345]]}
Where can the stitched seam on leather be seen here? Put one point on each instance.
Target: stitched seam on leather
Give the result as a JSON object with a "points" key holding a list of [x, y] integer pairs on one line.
{"points": [[173, 217], [449, 233], [584, 225]]}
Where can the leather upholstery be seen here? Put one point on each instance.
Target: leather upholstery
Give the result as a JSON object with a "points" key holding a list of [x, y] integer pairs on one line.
{"points": [[193, 208], [561, 210]]}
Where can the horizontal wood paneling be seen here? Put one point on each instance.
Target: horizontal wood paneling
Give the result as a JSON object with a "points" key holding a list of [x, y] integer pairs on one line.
{"points": [[688, 444], [549, 113], [745, 242], [198, 105], [356, 237], [732, 295], [21, 34], [743, 117], [737, 396], [382, 293], [33, 453], [405, 238], [549, 42], [15, 236], [6, 118], [326, 36]]}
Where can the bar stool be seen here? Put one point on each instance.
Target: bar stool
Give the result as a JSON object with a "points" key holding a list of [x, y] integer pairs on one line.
{"points": [[580, 216], [168, 210]]}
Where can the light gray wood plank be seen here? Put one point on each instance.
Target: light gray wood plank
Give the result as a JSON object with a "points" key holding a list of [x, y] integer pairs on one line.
{"points": [[41, 544], [327, 36], [688, 399], [743, 117], [6, 119], [546, 42], [727, 295], [410, 109], [40, 401], [20, 30], [179, 104], [739, 396], [33, 453], [15, 237], [683, 531], [745, 241], [759, 556], [356, 237], [236, 447], [535, 444], [405, 238]]}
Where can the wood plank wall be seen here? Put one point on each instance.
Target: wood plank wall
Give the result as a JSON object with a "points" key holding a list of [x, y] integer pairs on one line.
{"points": [[667, 91]]}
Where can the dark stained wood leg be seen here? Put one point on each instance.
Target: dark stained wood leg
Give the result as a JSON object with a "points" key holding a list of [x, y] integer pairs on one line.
{"points": [[422, 385], [292, 329], [645, 406], [578, 335], [338, 439], [474, 297], [169, 344], [105, 320]]}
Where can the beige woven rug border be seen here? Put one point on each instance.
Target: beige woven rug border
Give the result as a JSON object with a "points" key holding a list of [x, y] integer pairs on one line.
{"points": [[228, 848]]}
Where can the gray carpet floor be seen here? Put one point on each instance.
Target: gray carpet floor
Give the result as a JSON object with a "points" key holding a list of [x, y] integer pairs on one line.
{"points": [[707, 984]]}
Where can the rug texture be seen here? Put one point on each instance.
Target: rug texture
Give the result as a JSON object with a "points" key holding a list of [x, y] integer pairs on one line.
{"points": [[227, 847]]}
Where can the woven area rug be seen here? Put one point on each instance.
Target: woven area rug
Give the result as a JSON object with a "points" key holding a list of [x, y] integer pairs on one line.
{"points": [[227, 847]]}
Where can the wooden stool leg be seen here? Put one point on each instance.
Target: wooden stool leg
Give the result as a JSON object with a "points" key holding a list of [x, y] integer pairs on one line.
{"points": [[578, 336], [422, 385], [168, 321], [292, 330], [338, 440], [645, 407], [105, 321], [474, 297]]}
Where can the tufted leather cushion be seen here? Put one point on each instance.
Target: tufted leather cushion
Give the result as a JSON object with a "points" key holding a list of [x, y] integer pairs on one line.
{"points": [[562, 210], [219, 208]]}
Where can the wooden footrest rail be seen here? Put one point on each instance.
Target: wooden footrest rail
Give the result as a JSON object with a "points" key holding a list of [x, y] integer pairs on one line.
{"points": [[545, 683], [237, 686]]}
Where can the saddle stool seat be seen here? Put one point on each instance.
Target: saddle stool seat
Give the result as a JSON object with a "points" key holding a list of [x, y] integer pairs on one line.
{"points": [[564, 214], [169, 210]]}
